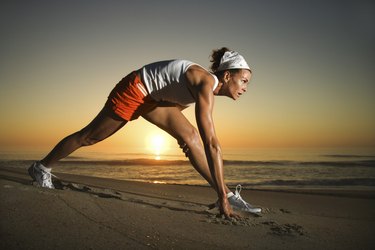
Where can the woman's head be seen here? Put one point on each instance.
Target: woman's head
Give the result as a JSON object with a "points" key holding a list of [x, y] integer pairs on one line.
{"points": [[226, 59], [232, 71]]}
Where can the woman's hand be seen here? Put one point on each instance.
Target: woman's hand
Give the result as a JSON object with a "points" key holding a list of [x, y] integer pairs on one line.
{"points": [[226, 209]]}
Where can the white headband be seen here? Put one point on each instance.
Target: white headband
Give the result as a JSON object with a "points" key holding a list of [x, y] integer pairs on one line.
{"points": [[232, 60]]}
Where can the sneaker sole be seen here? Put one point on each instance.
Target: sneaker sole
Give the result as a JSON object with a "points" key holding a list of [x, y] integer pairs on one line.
{"points": [[256, 211]]}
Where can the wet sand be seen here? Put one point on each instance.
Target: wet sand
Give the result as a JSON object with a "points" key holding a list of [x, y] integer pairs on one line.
{"points": [[97, 213]]}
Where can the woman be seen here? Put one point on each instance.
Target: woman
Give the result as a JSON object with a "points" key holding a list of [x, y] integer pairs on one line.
{"points": [[158, 92]]}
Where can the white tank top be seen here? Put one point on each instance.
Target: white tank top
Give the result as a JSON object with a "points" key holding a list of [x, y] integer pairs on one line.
{"points": [[166, 81]]}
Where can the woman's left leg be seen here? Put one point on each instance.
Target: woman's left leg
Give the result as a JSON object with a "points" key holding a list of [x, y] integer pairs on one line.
{"points": [[104, 125]]}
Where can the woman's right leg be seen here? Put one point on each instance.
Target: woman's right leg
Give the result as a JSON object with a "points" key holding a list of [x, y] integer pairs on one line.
{"points": [[105, 124], [171, 120]]}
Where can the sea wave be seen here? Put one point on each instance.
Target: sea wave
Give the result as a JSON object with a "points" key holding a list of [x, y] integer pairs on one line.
{"points": [[361, 163], [349, 156], [277, 163], [317, 182], [237, 163], [249, 173]]}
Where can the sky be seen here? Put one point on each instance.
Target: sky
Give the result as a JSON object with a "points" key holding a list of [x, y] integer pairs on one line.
{"points": [[313, 63]]}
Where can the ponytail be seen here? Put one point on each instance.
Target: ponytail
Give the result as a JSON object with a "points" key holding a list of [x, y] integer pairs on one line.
{"points": [[216, 57]]}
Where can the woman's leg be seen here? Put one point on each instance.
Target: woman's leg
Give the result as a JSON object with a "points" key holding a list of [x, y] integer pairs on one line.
{"points": [[171, 120], [104, 125]]}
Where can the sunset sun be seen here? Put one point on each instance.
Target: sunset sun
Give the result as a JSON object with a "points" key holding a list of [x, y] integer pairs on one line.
{"points": [[157, 144]]}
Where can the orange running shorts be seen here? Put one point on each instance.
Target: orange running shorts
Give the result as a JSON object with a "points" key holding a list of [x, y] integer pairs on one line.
{"points": [[130, 99]]}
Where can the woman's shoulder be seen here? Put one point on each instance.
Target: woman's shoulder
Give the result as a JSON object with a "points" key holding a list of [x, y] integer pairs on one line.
{"points": [[198, 75]]}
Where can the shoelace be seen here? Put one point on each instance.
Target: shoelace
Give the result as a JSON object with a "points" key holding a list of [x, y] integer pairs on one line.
{"points": [[238, 196], [47, 177]]}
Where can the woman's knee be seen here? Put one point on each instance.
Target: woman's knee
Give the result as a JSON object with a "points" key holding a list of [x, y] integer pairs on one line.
{"points": [[90, 141], [188, 141], [86, 139]]}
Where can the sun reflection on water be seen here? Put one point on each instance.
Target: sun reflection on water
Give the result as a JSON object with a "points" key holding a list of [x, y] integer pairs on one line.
{"points": [[159, 182]]}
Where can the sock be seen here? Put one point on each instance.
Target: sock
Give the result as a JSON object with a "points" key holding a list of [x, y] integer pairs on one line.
{"points": [[230, 194], [40, 165]]}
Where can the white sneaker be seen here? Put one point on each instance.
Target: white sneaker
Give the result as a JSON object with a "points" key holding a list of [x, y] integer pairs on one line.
{"points": [[237, 203], [41, 175]]}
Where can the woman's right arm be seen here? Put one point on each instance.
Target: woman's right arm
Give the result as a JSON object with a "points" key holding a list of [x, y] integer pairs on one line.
{"points": [[203, 91]]}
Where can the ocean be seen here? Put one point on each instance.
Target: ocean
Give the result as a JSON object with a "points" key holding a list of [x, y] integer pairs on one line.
{"points": [[304, 168]]}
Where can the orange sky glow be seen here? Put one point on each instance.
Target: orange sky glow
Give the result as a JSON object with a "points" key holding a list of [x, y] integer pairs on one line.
{"points": [[313, 82]]}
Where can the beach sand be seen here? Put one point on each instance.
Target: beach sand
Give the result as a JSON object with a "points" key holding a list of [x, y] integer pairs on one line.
{"points": [[97, 213]]}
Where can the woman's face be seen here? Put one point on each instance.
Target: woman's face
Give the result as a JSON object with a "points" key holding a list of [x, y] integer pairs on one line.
{"points": [[235, 84]]}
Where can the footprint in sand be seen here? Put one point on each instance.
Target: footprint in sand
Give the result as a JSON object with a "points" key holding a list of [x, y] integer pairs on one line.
{"points": [[96, 192], [220, 219], [285, 211], [287, 230]]}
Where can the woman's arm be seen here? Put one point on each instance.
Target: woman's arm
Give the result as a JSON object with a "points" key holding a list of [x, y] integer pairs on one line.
{"points": [[203, 113], [202, 88]]}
